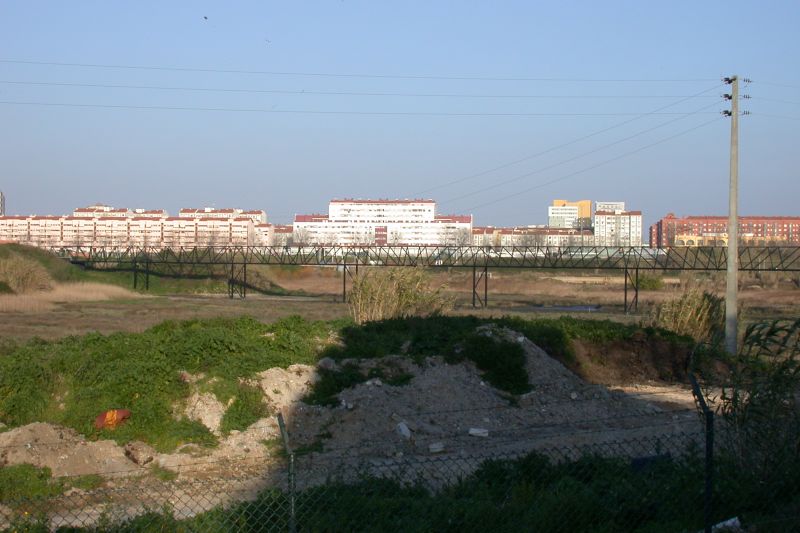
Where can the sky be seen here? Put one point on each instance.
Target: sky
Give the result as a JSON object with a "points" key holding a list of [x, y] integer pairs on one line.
{"points": [[490, 108]]}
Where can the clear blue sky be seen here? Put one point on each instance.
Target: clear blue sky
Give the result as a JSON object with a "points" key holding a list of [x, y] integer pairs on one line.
{"points": [[397, 142]]}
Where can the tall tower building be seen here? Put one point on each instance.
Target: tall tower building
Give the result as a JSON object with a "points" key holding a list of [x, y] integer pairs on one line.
{"points": [[2, 205]]}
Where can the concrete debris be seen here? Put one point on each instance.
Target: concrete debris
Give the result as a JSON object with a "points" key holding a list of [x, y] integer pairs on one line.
{"points": [[139, 452], [479, 432], [326, 363], [436, 447], [403, 430]]}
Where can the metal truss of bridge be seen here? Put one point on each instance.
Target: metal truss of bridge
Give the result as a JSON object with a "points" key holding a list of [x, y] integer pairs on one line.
{"points": [[232, 261]]}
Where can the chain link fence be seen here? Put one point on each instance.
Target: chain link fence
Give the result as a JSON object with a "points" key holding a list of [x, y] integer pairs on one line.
{"points": [[672, 481]]}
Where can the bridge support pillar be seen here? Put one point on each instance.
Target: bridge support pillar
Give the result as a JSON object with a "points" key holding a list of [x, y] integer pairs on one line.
{"points": [[136, 272], [633, 280], [476, 282], [237, 281], [352, 272]]}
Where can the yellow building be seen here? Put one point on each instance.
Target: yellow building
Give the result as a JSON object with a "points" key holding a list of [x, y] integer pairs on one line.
{"points": [[584, 207], [721, 239]]}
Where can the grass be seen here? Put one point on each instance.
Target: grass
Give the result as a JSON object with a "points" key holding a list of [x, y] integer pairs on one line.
{"points": [[141, 372], [161, 473], [26, 483], [247, 408]]}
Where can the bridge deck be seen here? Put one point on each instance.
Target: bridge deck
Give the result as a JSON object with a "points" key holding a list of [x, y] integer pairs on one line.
{"points": [[777, 258]]}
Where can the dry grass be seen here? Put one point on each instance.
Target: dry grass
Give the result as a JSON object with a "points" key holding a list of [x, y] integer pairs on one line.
{"points": [[696, 313], [382, 293], [23, 275], [65, 293]]}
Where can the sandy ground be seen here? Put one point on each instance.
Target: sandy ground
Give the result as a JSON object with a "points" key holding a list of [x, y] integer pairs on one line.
{"points": [[511, 292]]}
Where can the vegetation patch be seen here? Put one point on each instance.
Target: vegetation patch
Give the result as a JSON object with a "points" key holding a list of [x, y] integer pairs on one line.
{"points": [[247, 408], [696, 313], [532, 493], [331, 382], [382, 293], [502, 362], [141, 372]]}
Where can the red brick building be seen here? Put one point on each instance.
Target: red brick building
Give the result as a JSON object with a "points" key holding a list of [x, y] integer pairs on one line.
{"points": [[754, 230]]}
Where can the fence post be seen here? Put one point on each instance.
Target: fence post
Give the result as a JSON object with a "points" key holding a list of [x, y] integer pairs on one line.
{"points": [[709, 470], [708, 414], [290, 453]]}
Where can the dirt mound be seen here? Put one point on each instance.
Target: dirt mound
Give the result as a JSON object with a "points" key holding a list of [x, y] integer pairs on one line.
{"points": [[64, 451], [636, 360], [450, 408]]}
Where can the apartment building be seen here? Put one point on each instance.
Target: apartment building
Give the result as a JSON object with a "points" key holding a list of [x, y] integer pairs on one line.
{"points": [[564, 216], [713, 231], [489, 236], [618, 228], [584, 211], [382, 222], [102, 225]]}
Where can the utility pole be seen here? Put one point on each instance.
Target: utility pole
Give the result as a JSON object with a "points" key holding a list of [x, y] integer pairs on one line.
{"points": [[731, 319]]}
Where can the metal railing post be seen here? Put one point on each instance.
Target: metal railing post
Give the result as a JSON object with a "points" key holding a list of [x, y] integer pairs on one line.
{"points": [[291, 480], [709, 488]]}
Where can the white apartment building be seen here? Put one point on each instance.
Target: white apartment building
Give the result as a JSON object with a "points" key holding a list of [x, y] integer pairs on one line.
{"points": [[618, 228], [101, 225], [258, 217], [563, 216], [531, 236], [382, 222]]}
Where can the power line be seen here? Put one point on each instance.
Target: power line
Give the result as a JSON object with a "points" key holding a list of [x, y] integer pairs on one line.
{"points": [[575, 158], [321, 112], [339, 93], [786, 85], [592, 167], [340, 75], [785, 117], [777, 100], [563, 145]]}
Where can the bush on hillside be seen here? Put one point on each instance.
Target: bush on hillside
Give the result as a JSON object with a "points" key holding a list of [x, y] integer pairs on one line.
{"points": [[383, 293], [23, 275], [696, 313]]}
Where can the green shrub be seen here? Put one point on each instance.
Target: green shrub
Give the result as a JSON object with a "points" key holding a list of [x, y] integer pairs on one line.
{"points": [[502, 362], [650, 282], [332, 382]]}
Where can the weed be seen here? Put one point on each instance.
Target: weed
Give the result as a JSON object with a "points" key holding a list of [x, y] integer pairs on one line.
{"points": [[88, 482], [332, 382], [502, 362], [650, 282], [247, 408], [22, 275], [382, 293], [695, 313], [161, 473], [25, 482]]}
